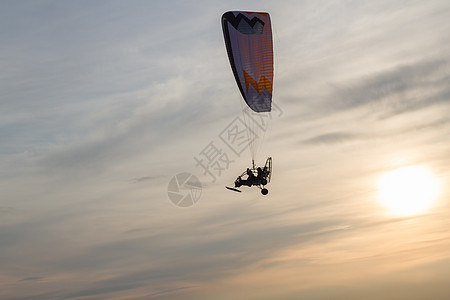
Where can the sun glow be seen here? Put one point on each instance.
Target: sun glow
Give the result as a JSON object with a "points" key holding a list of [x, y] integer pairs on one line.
{"points": [[408, 191]]}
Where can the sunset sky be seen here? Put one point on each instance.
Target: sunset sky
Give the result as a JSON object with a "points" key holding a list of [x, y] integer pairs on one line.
{"points": [[104, 102]]}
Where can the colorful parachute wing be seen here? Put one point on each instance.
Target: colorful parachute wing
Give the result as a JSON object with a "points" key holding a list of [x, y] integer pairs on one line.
{"points": [[248, 38]]}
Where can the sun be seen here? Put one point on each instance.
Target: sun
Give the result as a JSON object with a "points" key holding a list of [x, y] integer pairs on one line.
{"points": [[408, 191]]}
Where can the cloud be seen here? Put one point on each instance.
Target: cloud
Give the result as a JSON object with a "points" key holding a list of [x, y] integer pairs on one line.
{"points": [[32, 278], [402, 89], [103, 290], [331, 138], [169, 291], [145, 178], [37, 296], [6, 210]]}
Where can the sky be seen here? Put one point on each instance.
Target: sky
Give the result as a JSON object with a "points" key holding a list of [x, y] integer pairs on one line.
{"points": [[104, 103]]}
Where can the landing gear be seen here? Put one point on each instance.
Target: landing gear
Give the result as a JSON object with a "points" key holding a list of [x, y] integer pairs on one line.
{"points": [[264, 191]]}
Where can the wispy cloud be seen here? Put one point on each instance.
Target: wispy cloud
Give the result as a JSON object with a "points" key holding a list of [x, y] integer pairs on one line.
{"points": [[331, 138], [403, 89], [32, 278]]}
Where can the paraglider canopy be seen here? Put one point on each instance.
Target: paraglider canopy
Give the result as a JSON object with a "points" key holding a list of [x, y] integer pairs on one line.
{"points": [[248, 39]]}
